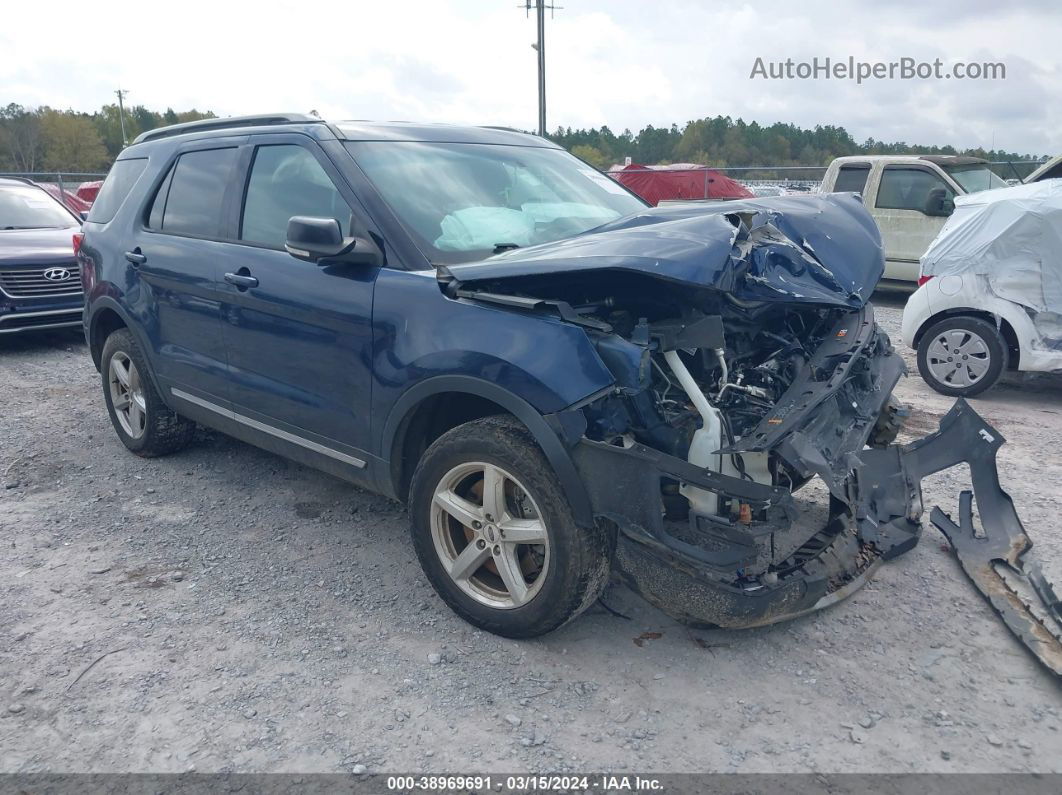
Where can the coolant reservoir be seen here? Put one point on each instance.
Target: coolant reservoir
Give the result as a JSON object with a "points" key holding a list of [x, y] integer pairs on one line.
{"points": [[706, 441]]}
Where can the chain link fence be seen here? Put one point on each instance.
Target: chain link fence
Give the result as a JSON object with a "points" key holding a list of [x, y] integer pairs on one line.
{"points": [[767, 180]]}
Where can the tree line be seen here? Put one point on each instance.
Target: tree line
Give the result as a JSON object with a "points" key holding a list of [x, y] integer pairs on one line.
{"points": [[46, 139], [723, 141]]}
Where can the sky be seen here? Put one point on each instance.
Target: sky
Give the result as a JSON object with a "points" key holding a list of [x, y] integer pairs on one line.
{"points": [[621, 63]]}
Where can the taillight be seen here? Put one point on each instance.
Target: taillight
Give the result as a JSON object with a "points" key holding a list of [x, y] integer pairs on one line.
{"points": [[78, 237], [923, 279]]}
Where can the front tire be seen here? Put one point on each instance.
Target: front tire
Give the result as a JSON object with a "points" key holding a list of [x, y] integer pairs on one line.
{"points": [[495, 535], [962, 356], [142, 421]]}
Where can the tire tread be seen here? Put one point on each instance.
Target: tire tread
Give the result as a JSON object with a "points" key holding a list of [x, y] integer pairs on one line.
{"points": [[165, 431], [586, 571]]}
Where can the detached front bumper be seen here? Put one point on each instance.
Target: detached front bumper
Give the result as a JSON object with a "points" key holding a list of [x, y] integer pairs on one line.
{"points": [[708, 579]]}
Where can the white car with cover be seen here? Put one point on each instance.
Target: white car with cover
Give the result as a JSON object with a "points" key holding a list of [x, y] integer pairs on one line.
{"points": [[991, 290]]}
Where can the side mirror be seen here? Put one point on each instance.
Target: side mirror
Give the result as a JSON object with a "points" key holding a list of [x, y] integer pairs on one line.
{"points": [[320, 239], [938, 203]]}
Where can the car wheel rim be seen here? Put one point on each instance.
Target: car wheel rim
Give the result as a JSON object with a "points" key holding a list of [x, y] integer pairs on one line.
{"points": [[127, 394], [958, 357], [490, 535]]}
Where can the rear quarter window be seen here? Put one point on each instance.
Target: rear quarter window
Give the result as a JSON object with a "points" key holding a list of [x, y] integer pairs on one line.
{"points": [[120, 180]]}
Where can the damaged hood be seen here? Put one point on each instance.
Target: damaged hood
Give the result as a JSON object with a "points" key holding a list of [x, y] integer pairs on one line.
{"points": [[822, 249]]}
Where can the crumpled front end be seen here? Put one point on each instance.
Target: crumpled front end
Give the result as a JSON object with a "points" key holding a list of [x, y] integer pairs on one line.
{"points": [[744, 454], [755, 551]]}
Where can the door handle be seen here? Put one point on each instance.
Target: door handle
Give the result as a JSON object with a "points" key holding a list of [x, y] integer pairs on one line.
{"points": [[135, 257], [242, 281]]}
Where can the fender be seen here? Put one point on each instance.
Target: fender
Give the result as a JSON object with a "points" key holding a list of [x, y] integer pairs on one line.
{"points": [[92, 312], [555, 451]]}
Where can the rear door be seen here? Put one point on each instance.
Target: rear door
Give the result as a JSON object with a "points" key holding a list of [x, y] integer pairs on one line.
{"points": [[899, 209], [177, 253], [299, 335]]}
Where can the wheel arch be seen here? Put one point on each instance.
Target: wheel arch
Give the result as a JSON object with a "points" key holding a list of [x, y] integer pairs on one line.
{"points": [[107, 316], [432, 407], [104, 322], [1010, 337]]}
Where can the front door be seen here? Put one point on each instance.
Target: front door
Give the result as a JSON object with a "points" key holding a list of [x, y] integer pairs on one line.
{"points": [[298, 335], [899, 208]]}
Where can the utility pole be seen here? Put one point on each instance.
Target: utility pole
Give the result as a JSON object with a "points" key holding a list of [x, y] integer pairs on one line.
{"points": [[540, 7], [121, 92]]}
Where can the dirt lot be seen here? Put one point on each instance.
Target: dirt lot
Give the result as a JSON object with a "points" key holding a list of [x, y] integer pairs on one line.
{"points": [[225, 610]]}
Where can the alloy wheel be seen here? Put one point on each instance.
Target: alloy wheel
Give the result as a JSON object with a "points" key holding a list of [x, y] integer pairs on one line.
{"points": [[490, 535], [127, 394]]}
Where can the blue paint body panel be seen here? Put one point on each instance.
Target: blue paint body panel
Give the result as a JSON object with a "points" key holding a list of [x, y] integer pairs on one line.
{"points": [[340, 355]]}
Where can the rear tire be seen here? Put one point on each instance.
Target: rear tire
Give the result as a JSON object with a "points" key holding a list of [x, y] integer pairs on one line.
{"points": [[962, 356], [142, 421], [496, 583]]}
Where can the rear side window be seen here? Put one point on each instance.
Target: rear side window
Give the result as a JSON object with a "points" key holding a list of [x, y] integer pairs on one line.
{"points": [[852, 179], [287, 180], [120, 180], [191, 198]]}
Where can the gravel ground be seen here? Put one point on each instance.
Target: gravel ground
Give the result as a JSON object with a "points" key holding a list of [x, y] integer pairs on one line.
{"points": [[226, 610]]}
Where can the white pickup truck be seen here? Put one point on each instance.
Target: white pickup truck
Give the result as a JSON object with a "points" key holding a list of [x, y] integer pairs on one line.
{"points": [[910, 197]]}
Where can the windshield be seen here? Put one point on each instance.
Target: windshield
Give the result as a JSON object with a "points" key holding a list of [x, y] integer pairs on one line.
{"points": [[464, 202], [976, 177], [27, 207]]}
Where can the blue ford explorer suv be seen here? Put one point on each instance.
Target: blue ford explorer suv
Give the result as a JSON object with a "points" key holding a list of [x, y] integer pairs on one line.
{"points": [[561, 382], [40, 287]]}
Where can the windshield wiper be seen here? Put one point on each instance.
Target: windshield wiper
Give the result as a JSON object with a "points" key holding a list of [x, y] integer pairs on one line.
{"points": [[501, 247]]}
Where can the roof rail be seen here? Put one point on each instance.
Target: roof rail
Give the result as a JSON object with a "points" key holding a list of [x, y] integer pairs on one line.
{"points": [[223, 124], [503, 129]]}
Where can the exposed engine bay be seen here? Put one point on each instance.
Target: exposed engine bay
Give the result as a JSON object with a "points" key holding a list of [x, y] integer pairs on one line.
{"points": [[731, 396]]}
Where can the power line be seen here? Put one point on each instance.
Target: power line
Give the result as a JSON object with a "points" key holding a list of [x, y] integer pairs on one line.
{"points": [[121, 92], [540, 7]]}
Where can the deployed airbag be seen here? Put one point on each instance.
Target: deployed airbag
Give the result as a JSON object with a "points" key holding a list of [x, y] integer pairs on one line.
{"points": [[483, 228]]}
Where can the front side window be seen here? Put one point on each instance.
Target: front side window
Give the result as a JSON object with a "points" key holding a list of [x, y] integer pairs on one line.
{"points": [[909, 188], [463, 202], [29, 207], [975, 178], [120, 181], [190, 200], [852, 179], [286, 180]]}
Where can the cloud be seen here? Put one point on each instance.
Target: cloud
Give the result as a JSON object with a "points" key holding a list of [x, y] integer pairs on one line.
{"points": [[624, 63]]}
